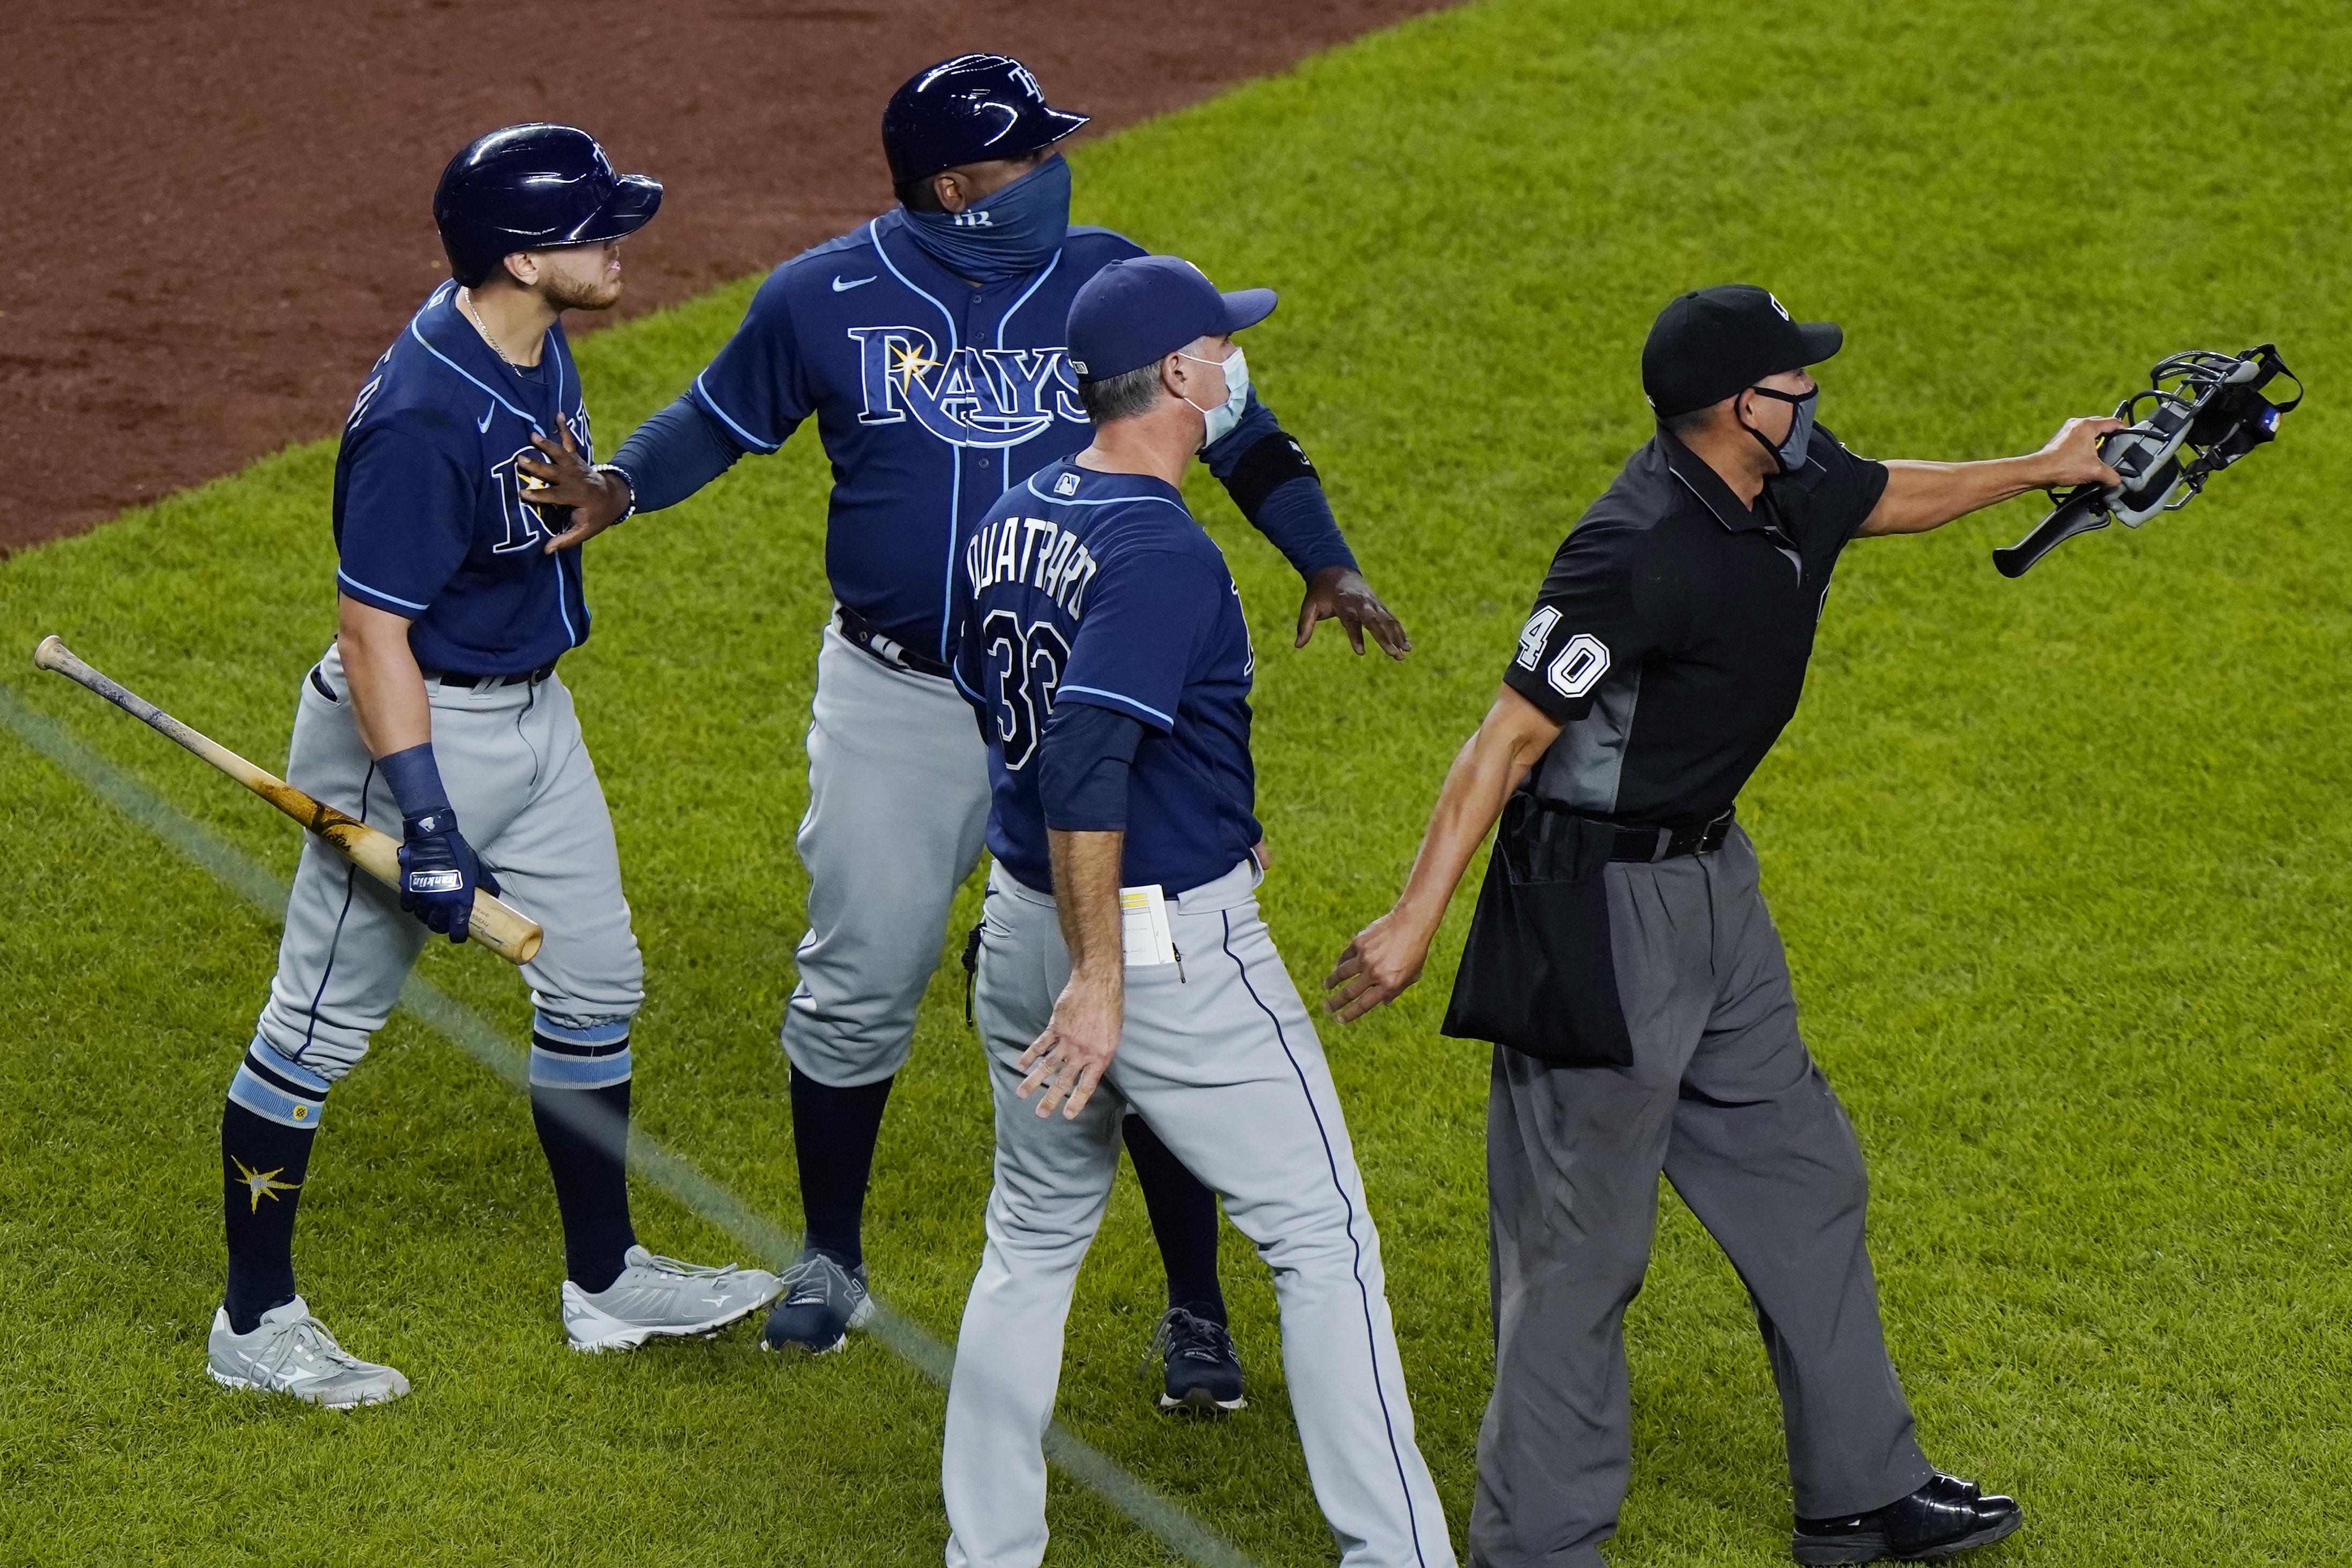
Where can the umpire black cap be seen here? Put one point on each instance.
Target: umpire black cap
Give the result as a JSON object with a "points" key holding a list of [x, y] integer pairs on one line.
{"points": [[967, 110], [1711, 343], [532, 188]]}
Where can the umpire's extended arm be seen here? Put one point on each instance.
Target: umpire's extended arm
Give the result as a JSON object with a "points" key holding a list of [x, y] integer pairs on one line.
{"points": [[1747, 438]]}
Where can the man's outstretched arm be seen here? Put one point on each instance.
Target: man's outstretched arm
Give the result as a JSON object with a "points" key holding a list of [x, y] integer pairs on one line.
{"points": [[1924, 496]]}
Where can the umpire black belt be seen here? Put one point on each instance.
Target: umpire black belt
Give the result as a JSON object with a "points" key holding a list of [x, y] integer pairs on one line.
{"points": [[1667, 843], [481, 682], [1548, 842], [870, 638]]}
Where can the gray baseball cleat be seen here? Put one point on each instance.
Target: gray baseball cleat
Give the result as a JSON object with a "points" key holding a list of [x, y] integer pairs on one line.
{"points": [[290, 1351], [661, 1297], [823, 1301]]}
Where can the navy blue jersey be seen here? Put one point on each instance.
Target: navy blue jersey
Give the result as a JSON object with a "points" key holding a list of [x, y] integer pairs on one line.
{"points": [[430, 520], [934, 398], [1081, 586]]}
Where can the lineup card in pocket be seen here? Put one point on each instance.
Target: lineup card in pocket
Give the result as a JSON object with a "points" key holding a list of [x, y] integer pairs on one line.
{"points": [[1143, 927]]}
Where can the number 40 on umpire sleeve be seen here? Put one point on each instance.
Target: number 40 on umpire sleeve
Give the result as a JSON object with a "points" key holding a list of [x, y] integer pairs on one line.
{"points": [[1579, 666]]}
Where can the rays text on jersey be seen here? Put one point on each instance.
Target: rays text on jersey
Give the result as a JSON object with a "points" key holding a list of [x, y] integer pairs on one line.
{"points": [[969, 397]]}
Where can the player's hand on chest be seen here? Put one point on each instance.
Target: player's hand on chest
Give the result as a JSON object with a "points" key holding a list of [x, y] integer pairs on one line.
{"points": [[510, 525]]}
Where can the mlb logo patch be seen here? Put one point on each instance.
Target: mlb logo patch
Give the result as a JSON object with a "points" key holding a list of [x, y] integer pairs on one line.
{"points": [[1068, 485]]}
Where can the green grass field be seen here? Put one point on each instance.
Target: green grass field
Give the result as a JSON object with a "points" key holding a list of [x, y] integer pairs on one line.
{"points": [[2061, 862]]}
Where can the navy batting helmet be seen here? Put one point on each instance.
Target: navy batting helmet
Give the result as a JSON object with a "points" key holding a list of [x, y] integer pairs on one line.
{"points": [[965, 111], [531, 187]]}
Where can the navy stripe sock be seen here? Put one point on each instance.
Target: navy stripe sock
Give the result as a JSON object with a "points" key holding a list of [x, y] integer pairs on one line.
{"points": [[1184, 1221], [584, 1129], [833, 1133], [268, 1125]]}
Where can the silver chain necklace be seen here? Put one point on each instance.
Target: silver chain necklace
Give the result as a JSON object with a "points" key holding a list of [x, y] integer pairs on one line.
{"points": [[466, 303]]}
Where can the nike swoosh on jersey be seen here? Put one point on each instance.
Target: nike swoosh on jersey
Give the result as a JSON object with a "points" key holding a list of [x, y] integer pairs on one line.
{"points": [[483, 424], [841, 288]]}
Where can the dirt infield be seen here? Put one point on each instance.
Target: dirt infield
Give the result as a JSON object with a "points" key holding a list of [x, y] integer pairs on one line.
{"points": [[223, 209]]}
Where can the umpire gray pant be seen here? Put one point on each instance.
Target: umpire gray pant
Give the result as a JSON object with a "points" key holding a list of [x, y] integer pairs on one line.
{"points": [[1723, 1097]]}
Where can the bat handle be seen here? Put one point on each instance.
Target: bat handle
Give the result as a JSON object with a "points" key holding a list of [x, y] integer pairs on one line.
{"points": [[2079, 513]]}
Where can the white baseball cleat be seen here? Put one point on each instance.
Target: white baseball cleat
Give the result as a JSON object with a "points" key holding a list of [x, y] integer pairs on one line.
{"points": [[290, 1351], [660, 1297]]}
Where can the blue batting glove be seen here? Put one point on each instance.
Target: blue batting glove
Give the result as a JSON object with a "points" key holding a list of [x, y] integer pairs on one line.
{"points": [[440, 871]]}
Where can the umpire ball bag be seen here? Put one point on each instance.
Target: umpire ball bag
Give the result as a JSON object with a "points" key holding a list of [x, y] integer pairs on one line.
{"points": [[1537, 973]]}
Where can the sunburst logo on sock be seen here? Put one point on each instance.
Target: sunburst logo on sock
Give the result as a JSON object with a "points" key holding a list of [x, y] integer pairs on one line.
{"points": [[260, 1184]]}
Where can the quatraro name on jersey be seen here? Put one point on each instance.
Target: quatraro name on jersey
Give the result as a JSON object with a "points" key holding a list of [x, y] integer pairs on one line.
{"points": [[1034, 551], [970, 397]]}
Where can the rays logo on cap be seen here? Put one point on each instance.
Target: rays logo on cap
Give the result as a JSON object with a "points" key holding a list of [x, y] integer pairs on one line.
{"points": [[1780, 307]]}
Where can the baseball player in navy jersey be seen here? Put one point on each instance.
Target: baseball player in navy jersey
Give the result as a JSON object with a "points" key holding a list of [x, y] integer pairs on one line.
{"points": [[438, 708], [1123, 966], [929, 346]]}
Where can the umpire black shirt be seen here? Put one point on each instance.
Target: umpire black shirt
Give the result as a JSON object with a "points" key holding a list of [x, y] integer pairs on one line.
{"points": [[1671, 634]]}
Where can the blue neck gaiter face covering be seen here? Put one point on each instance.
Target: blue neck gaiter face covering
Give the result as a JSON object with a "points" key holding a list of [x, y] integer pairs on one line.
{"points": [[1010, 233]]}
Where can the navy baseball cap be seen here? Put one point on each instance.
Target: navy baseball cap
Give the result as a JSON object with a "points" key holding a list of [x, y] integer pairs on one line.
{"points": [[1135, 311], [1712, 344]]}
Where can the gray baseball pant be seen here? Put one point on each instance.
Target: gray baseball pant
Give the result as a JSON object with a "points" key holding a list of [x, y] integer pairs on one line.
{"points": [[1723, 1097], [527, 801], [898, 809], [1219, 1059]]}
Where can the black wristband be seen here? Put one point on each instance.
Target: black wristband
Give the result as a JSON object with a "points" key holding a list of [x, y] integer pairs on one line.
{"points": [[1273, 461]]}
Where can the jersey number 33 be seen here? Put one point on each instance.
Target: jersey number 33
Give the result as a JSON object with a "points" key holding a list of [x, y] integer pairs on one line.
{"points": [[1025, 667]]}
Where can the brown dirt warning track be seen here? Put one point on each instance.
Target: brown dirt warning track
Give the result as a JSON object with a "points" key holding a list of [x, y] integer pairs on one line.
{"points": [[221, 209]]}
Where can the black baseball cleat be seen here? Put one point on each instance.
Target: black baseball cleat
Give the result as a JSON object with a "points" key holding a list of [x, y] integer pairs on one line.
{"points": [[821, 1302], [1948, 1515], [1204, 1377]]}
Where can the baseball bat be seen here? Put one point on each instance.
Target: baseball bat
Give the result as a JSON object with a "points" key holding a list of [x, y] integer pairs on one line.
{"points": [[504, 929]]}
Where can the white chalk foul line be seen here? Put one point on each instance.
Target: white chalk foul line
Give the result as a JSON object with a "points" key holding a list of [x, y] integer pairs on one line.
{"points": [[773, 1244]]}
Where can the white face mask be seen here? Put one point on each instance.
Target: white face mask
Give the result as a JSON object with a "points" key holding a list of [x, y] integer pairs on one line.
{"points": [[1222, 417]]}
